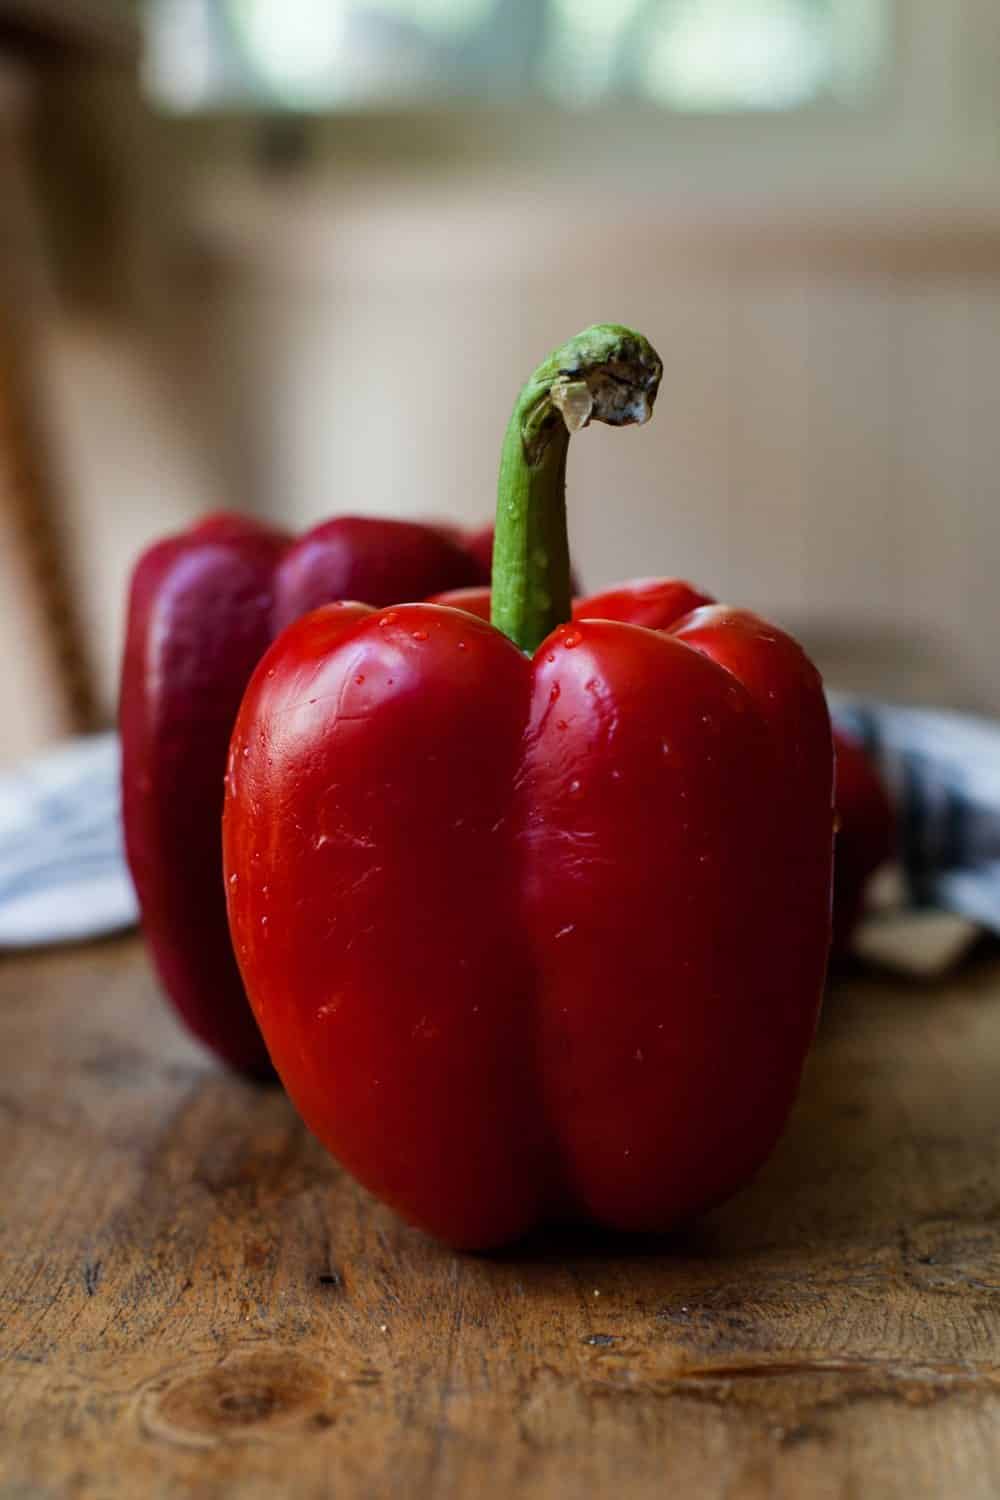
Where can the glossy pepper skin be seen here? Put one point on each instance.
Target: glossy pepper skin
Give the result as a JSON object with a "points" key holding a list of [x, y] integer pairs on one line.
{"points": [[866, 833], [866, 837], [204, 606], [541, 933]]}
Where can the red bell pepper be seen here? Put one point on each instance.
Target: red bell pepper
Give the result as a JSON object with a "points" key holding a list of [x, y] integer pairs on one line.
{"points": [[204, 607], [534, 915], [866, 837], [865, 821]]}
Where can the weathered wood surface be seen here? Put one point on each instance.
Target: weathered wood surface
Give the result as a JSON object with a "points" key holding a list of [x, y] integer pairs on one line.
{"points": [[196, 1302]]}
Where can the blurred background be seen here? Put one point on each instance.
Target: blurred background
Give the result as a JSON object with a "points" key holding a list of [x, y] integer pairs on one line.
{"points": [[297, 258]]}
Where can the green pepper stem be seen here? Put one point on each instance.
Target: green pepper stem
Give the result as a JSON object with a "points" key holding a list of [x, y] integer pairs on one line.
{"points": [[605, 374]]}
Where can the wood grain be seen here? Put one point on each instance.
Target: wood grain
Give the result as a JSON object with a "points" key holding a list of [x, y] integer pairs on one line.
{"points": [[195, 1301]]}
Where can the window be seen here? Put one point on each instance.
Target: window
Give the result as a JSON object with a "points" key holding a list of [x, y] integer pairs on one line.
{"points": [[695, 55]]}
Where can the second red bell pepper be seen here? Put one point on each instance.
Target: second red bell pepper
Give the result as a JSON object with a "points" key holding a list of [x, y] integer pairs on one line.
{"points": [[534, 916], [203, 608]]}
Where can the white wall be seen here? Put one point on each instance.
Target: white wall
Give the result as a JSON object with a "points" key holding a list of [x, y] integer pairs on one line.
{"points": [[825, 293], [827, 442]]}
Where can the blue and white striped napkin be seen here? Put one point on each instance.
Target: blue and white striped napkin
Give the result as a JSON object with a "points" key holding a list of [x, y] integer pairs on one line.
{"points": [[63, 875], [943, 774]]}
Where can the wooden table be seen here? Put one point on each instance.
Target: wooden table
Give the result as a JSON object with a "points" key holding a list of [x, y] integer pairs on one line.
{"points": [[195, 1301]]}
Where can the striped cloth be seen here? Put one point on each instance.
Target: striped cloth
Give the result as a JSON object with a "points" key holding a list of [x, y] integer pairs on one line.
{"points": [[62, 867], [63, 875], [943, 774]]}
